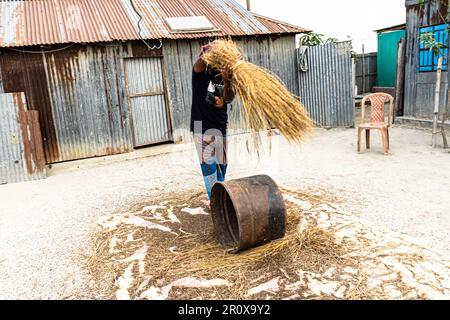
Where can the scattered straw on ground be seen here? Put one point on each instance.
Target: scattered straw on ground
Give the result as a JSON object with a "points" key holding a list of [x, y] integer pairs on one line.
{"points": [[327, 254]]}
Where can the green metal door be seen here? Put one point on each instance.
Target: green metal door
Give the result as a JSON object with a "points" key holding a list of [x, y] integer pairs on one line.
{"points": [[387, 57]]}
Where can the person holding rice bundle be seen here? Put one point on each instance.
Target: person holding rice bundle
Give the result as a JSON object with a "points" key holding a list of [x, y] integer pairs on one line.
{"points": [[219, 75], [212, 94]]}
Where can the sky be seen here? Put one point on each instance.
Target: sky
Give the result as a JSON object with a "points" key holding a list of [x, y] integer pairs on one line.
{"points": [[340, 19]]}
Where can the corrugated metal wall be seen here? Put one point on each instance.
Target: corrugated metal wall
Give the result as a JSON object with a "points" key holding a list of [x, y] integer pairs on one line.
{"points": [[21, 159], [420, 86], [147, 100], [11, 148], [369, 72], [80, 94], [274, 53], [87, 92], [326, 88]]}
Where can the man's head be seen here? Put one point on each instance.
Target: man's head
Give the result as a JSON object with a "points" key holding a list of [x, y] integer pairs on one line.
{"points": [[204, 50]]}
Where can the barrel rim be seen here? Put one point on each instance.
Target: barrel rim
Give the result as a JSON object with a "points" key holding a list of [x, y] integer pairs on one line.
{"points": [[236, 247], [229, 188]]}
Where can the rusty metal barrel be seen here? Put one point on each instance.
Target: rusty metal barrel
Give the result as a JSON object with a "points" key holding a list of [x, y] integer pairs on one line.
{"points": [[248, 212]]}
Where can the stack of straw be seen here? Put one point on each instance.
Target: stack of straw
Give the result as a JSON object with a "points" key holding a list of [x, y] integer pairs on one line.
{"points": [[267, 102]]}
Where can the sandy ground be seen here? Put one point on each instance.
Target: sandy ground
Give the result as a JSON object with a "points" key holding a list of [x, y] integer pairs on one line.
{"points": [[45, 225]]}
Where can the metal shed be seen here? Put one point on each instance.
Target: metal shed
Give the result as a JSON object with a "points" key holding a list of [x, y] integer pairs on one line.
{"points": [[100, 90]]}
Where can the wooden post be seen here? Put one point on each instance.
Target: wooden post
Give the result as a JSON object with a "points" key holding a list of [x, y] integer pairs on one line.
{"points": [[444, 118], [400, 81], [249, 6], [437, 94], [363, 70], [355, 90]]}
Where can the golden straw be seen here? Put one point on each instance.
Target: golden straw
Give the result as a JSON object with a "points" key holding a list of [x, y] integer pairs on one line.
{"points": [[268, 104]]}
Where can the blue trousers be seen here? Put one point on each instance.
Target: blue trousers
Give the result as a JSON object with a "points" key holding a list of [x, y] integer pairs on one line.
{"points": [[213, 161]]}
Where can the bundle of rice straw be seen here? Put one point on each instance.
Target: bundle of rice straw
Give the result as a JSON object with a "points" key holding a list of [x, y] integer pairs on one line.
{"points": [[267, 102]]}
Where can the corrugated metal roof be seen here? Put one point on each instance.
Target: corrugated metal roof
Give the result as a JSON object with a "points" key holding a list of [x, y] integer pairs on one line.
{"points": [[393, 28], [38, 22], [277, 26]]}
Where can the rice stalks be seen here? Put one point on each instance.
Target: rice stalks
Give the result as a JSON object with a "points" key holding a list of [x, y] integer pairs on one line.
{"points": [[267, 102], [198, 254], [210, 257]]}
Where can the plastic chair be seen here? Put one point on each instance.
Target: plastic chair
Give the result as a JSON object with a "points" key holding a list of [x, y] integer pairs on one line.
{"points": [[377, 119]]}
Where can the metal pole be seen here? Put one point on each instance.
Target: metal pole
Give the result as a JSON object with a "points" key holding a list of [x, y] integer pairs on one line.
{"points": [[436, 102], [249, 7]]}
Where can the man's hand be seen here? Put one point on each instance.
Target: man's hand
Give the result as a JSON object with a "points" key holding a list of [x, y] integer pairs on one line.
{"points": [[227, 74], [220, 102]]}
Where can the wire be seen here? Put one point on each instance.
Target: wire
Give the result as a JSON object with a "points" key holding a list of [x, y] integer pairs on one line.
{"points": [[140, 29], [114, 45], [42, 51]]}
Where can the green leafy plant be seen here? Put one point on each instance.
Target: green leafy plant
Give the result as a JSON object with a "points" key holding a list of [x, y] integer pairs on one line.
{"points": [[429, 41], [314, 39], [311, 39]]}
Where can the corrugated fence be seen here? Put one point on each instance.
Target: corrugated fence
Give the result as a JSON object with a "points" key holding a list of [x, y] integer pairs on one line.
{"points": [[366, 73], [21, 150], [326, 88]]}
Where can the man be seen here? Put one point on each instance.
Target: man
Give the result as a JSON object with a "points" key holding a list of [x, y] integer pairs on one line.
{"points": [[211, 95]]}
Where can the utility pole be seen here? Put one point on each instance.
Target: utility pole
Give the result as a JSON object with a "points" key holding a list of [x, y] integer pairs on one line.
{"points": [[249, 6]]}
